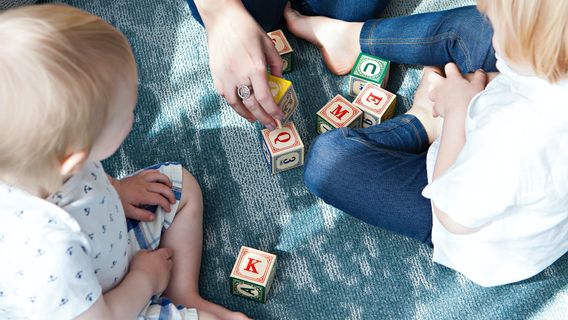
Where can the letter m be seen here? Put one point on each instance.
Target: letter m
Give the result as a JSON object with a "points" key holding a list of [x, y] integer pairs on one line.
{"points": [[339, 112]]}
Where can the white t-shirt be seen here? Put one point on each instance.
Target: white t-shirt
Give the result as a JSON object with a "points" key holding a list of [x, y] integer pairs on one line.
{"points": [[510, 179], [58, 269]]}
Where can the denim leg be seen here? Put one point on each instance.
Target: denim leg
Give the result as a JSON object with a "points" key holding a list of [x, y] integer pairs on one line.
{"points": [[375, 174], [267, 13], [462, 35], [347, 10]]}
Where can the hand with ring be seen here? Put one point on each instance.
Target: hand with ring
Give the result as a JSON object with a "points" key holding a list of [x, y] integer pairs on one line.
{"points": [[239, 53]]}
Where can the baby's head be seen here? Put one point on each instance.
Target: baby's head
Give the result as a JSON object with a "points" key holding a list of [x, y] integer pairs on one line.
{"points": [[67, 92], [532, 35]]}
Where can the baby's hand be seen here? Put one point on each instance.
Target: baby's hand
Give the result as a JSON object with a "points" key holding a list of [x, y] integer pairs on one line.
{"points": [[156, 265], [149, 187], [454, 91]]}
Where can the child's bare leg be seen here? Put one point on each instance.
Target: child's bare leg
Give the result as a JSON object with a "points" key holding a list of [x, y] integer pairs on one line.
{"points": [[338, 40], [422, 106], [185, 236]]}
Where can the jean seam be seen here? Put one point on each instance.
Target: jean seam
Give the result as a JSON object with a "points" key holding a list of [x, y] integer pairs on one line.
{"points": [[438, 38]]}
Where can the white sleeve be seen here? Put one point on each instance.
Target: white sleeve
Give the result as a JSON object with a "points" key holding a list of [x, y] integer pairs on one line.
{"points": [[58, 282], [485, 178]]}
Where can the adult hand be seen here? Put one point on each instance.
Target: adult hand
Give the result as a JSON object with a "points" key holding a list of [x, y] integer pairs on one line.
{"points": [[149, 187], [156, 265], [454, 91], [239, 53]]}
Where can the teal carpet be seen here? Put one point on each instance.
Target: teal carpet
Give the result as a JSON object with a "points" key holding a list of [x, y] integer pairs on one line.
{"points": [[331, 266]]}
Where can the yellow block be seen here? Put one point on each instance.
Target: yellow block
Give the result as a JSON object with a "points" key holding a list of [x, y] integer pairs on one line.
{"points": [[278, 87]]}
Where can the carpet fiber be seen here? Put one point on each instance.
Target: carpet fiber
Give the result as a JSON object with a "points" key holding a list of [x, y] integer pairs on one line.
{"points": [[330, 266]]}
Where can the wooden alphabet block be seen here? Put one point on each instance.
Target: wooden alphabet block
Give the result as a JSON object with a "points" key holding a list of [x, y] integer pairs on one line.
{"points": [[252, 274], [284, 95], [284, 49], [376, 103], [283, 148], [367, 69], [338, 113]]}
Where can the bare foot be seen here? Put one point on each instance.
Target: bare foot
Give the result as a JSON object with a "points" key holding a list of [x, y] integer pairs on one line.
{"points": [[422, 107], [337, 40], [217, 311]]}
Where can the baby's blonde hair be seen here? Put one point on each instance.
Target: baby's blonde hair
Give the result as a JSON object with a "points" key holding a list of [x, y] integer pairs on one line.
{"points": [[532, 33], [59, 67]]}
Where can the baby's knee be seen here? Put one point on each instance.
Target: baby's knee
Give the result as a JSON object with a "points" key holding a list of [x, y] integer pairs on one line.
{"points": [[191, 192]]}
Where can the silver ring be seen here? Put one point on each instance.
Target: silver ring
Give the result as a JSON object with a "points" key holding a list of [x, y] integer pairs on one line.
{"points": [[244, 91]]}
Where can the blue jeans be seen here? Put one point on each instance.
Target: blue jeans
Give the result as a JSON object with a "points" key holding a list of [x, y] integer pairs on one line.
{"points": [[375, 174], [461, 35]]}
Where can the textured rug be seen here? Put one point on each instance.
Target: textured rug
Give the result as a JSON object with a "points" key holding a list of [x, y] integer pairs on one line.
{"points": [[330, 266]]}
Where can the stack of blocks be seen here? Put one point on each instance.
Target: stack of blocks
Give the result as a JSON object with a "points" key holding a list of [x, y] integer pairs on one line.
{"points": [[372, 104], [284, 49], [252, 274]]}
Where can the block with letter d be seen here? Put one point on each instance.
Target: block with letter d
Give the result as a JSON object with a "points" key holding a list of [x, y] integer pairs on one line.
{"points": [[284, 49], [338, 113], [376, 103], [368, 69], [283, 148], [284, 95], [252, 274]]}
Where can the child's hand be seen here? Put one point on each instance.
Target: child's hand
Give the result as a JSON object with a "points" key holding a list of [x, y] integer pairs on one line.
{"points": [[454, 91], [156, 265], [149, 187]]}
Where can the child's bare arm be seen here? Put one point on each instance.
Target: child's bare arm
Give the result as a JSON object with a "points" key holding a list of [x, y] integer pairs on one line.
{"points": [[149, 274], [452, 96]]}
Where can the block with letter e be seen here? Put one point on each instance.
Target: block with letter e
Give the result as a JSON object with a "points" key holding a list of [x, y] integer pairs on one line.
{"points": [[252, 274], [338, 113], [368, 69], [283, 148], [284, 95], [284, 49], [376, 103]]}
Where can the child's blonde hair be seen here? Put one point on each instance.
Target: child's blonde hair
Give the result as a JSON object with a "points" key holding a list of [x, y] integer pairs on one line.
{"points": [[532, 33], [59, 67]]}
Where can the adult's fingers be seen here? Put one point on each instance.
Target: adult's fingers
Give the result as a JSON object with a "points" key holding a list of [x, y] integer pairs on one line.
{"points": [[236, 103], [273, 58], [264, 96], [258, 112]]}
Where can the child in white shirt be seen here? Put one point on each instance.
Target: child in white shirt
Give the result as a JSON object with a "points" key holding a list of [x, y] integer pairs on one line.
{"points": [[499, 175], [67, 94], [491, 192]]}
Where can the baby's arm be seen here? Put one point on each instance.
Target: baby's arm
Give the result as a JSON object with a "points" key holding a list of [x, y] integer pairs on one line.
{"points": [[149, 274], [452, 96]]}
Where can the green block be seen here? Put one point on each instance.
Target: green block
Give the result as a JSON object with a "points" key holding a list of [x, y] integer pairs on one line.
{"points": [[248, 290], [322, 125], [367, 68]]}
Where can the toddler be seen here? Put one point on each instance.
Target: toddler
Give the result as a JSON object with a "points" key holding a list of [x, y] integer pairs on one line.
{"points": [[491, 192], [67, 94]]}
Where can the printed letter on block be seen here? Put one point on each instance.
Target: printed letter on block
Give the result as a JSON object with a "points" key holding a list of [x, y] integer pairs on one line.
{"points": [[283, 148], [338, 113], [368, 69], [376, 103], [252, 274], [284, 49], [284, 95]]}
